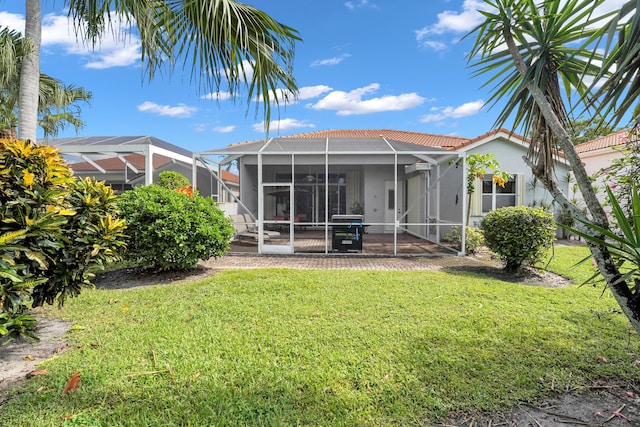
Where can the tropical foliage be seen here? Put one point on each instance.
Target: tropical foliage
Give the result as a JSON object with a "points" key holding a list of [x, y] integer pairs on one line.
{"points": [[539, 56], [229, 47], [58, 104], [618, 80], [625, 245], [587, 129], [171, 230], [53, 231], [477, 166]]}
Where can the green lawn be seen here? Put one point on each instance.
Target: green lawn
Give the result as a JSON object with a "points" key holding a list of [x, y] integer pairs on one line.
{"points": [[288, 347]]}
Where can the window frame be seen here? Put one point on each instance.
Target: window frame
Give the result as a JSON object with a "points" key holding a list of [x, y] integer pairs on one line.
{"points": [[495, 193]]}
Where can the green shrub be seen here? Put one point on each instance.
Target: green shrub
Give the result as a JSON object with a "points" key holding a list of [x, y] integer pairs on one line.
{"points": [[518, 234], [172, 180], [473, 238], [52, 229], [170, 230]]}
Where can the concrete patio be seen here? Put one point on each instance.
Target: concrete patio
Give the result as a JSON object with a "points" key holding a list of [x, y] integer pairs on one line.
{"points": [[308, 242]]}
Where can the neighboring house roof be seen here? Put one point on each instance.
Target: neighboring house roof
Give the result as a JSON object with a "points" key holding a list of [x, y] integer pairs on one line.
{"points": [[230, 177], [113, 151], [121, 141], [610, 141], [113, 164], [116, 164]]}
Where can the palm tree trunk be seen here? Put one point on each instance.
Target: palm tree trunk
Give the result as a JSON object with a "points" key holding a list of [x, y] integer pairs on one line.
{"points": [[30, 74], [627, 300]]}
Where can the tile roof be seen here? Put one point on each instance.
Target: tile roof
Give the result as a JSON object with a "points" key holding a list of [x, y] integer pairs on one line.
{"points": [[114, 164], [230, 177], [123, 141], [611, 140], [424, 139]]}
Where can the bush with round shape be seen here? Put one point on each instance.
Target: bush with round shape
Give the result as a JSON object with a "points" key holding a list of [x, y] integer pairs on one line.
{"points": [[169, 230], [518, 234], [172, 180]]}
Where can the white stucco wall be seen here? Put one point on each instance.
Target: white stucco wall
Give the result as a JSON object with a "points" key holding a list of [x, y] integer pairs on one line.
{"points": [[509, 153], [594, 162]]}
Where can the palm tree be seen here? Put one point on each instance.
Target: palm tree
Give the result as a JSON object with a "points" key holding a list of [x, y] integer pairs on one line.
{"points": [[228, 45], [619, 78], [57, 103], [30, 73], [533, 51]]}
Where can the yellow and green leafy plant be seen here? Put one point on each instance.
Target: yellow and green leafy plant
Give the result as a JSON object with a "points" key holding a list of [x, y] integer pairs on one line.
{"points": [[53, 229]]}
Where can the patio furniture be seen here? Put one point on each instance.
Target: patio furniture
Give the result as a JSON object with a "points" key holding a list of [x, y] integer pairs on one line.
{"points": [[269, 234], [243, 232]]}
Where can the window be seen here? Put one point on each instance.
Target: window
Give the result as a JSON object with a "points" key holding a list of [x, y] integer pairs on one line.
{"points": [[494, 196]]}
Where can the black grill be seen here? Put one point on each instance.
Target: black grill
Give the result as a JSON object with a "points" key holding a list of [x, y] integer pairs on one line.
{"points": [[347, 232]]}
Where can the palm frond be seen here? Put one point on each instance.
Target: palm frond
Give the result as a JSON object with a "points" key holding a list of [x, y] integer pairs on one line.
{"points": [[227, 45]]}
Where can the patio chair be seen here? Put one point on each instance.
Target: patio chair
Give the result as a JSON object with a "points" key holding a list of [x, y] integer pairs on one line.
{"points": [[243, 232], [251, 227]]}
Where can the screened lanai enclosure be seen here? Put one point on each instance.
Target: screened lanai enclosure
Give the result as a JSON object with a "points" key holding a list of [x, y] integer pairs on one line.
{"points": [[344, 195]]}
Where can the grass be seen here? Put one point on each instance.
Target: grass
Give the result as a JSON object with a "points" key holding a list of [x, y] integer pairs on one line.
{"points": [[287, 347]]}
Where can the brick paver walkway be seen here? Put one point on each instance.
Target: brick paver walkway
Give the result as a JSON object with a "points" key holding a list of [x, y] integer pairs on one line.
{"points": [[347, 262]]}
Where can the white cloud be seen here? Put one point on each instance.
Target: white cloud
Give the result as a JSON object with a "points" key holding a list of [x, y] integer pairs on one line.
{"points": [[330, 61], [245, 67], [360, 4], [310, 92], [116, 49], [306, 92], [458, 22], [217, 96], [350, 103], [469, 17], [120, 57], [12, 20], [224, 129], [435, 45], [452, 21], [179, 111], [464, 110], [283, 125]]}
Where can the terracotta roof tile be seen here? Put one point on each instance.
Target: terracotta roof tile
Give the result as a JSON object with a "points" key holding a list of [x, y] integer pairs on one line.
{"points": [[114, 164], [611, 140], [230, 177], [425, 139]]}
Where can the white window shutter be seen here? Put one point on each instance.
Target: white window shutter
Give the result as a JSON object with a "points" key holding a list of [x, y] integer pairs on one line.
{"points": [[521, 189], [476, 199]]}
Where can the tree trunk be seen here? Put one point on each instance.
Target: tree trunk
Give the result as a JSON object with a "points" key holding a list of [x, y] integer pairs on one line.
{"points": [[30, 74], [622, 293]]}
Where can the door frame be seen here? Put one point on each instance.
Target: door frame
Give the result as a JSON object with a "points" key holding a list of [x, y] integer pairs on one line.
{"points": [[264, 246]]}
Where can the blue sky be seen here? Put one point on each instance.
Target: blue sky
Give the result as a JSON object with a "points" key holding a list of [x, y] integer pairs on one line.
{"points": [[362, 64]]}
